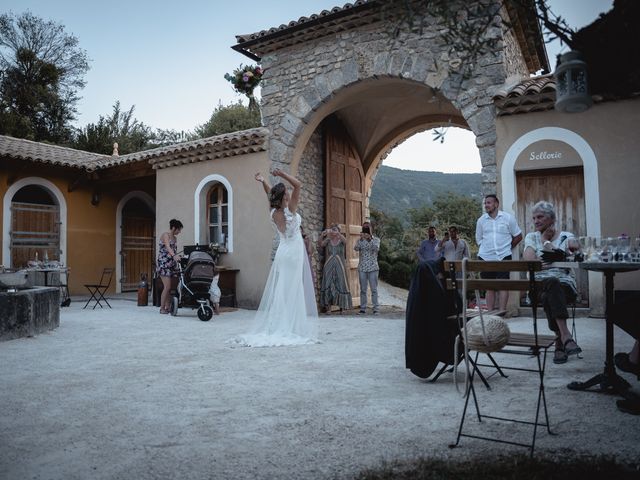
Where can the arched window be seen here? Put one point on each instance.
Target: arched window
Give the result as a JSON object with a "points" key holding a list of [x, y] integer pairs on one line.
{"points": [[213, 209], [218, 214], [35, 226]]}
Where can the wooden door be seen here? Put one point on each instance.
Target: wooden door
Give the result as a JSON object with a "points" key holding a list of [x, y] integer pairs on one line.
{"points": [[564, 188], [345, 195], [137, 255], [35, 231]]}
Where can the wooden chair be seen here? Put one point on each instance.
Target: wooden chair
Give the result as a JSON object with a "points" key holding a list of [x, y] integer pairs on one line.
{"points": [[524, 344], [97, 290]]}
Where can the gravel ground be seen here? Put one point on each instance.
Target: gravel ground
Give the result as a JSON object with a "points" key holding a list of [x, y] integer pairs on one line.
{"points": [[130, 394]]}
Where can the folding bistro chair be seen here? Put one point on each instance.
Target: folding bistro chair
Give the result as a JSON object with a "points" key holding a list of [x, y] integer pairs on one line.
{"points": [[453, 283], [525, 344], [98, 290]]}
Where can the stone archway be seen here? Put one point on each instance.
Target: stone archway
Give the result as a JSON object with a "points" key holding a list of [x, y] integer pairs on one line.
{"points": [[322, 64], [343, 63]]}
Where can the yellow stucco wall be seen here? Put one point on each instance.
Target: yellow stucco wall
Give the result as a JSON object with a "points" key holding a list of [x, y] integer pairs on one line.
{"points": [[90, 230], [252, 231]]}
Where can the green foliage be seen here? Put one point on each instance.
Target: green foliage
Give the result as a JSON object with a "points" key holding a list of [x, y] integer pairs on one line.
{"points": [[119, 127], [122, 128], [398, 243], [41, 70], [227, 119], [449, 209], [396, 191]]}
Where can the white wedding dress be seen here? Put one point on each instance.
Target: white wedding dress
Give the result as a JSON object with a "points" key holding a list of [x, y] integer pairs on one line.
{"points": [[287, 314]]}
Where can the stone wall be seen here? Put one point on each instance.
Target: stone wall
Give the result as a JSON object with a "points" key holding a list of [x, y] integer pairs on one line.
{"points": [[513, 60], [299, 79], [29, 312], [311, 172]]}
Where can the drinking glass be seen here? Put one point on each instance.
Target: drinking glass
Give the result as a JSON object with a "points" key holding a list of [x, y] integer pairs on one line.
{"points": [[635, 256], [596, 251], [586, 246], [608, 249], [624, 244]]}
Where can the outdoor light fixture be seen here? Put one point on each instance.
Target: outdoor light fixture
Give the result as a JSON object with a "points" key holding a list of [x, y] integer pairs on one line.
{"points": [[572, 89], [95, 198]]}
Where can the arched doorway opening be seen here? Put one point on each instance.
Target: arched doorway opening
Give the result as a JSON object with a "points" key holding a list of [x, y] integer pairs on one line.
{"points": [[345, 142], [137, 240], [35, 226]]}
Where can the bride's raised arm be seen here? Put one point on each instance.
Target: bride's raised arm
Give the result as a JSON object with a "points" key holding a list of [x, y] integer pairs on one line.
{"points": [[295, 183], [265, 185]]}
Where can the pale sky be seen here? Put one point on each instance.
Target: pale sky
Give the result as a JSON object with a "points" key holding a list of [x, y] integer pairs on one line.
{"points": [[169, 58]]}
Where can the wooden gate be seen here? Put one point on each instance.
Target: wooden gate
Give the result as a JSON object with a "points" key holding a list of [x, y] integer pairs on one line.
{"points": [[35, 229], [137, 255], [345, 195], [564, 188]]}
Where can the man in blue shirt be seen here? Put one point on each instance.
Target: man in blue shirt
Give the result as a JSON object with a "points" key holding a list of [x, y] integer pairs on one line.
{"points": [[427, 250]]}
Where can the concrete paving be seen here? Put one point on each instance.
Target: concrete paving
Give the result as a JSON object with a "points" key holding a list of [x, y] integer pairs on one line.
{"points": [[126, 393]]}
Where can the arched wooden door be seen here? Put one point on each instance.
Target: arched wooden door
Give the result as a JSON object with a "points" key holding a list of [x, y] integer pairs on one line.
{"points": [[564, 188], [35, 226], [344, 194], [138, 244]]}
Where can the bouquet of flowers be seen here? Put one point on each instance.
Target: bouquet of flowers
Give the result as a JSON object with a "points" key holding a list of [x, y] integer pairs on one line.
{"points": [[244, 80]]}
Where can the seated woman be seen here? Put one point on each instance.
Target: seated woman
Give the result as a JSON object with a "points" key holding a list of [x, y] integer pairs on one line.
{"points": [[558, 284], [335, 285]]}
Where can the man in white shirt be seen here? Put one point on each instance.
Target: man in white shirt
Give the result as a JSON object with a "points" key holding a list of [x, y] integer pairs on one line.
{"points": [[497, 233]]}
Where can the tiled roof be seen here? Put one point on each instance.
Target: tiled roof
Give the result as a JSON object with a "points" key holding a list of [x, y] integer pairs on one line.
{"points": [[363, 12], [22, 149], [220, 146], [226, 145], [534, 94], [305, 28]]}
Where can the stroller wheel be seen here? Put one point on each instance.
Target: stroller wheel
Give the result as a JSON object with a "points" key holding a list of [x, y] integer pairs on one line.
{"points": [[174, 306], [205, 312]]}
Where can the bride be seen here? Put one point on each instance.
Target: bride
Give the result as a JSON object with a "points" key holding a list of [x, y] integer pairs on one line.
{"points": [[287, 314]]}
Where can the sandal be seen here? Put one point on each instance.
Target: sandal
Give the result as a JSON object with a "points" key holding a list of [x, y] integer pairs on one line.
{"points": [[163, 311], [560, 356], [623, 363], [572, 350]]}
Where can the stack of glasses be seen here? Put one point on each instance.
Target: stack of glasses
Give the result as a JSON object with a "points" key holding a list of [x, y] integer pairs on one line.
{"points": [[610, 249]]}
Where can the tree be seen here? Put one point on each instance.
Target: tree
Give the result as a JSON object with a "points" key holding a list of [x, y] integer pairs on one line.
{"points": [[123, 128], [448, 210], [120, 127], [42, 69], [227, 119]]}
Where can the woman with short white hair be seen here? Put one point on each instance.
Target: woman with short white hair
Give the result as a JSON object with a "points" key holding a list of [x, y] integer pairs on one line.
{"points": [[558, 284]]}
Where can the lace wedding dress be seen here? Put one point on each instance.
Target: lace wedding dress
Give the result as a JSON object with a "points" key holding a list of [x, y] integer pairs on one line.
{"points": [[287, 314]]}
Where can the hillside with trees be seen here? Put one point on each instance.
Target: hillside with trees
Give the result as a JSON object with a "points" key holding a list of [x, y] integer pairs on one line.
{"points": [[396, 191]]}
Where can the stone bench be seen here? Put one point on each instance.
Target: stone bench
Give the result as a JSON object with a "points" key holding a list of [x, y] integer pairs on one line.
{"points": [[28, 312]]}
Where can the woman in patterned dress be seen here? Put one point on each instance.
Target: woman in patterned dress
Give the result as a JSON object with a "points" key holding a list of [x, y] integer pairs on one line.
{"points": [[167, 258], [335, 285]]}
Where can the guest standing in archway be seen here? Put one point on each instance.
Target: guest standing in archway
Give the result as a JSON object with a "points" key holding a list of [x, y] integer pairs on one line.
{"points": [[335, 286]]}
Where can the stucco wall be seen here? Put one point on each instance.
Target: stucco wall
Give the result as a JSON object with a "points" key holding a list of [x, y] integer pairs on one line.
{"points": [[90, 230], [609, 131], [252, 231]]}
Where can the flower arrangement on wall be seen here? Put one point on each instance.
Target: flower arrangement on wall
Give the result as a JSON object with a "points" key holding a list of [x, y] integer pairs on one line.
{"points": [[245, 79]]}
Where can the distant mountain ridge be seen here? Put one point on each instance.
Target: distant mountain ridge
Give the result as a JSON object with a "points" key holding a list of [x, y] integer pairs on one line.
{"points": [[395, 191]]}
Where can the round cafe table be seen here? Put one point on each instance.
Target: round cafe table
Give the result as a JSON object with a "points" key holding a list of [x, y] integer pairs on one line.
{"points": [[609, 381]]}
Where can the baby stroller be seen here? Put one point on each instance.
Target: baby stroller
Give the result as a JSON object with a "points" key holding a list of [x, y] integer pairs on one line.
{"points": [[195, 276]]}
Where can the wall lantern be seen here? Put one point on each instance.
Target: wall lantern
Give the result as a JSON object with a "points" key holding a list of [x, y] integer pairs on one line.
{"points": [[572, 89], [95, 198]]}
